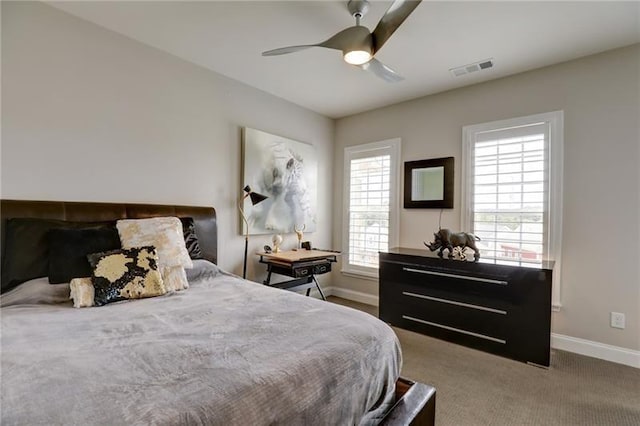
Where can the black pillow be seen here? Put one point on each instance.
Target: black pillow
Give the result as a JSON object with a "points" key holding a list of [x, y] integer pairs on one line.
{"points": [[68, 250], [190, 237], [26, 253]]}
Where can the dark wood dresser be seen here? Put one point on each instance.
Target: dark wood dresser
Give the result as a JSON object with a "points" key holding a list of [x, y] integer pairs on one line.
{"points": [[499, 308]]}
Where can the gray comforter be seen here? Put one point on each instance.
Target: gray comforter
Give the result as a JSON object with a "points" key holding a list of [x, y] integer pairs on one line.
{"points": [[224, 352]]}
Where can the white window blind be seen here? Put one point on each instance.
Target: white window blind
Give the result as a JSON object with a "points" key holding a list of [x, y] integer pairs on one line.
{"points": [[512, 190], [369, 209], [371, 205]]}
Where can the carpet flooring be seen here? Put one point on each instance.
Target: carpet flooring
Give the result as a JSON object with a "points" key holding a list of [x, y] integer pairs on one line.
{"points": [[477, 388]]}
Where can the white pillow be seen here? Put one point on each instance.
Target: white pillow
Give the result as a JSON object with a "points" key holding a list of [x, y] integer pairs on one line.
{"points": [[164, 233], [82, 292], [175, 278]]}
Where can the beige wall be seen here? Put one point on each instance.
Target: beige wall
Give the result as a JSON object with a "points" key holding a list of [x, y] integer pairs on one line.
{"points": [[90, 115], [601, 252]]}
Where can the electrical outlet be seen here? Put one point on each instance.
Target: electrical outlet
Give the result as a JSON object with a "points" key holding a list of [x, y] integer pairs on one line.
{"points": [[617, 320]]}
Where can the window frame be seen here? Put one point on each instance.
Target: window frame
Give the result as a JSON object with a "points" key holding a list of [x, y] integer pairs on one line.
{"points": [[555, 122], [388, 146]]}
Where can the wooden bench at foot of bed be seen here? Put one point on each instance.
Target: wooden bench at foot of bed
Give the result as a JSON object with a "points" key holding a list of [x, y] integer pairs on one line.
{"points": [[415, 405]]}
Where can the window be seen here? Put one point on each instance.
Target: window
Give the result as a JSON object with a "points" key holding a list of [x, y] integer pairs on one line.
{"points": [[370, 219], [512, 189]]}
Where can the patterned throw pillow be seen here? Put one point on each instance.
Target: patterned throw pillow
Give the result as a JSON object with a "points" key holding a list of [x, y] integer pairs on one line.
{"points": [[126, 274], [191, 238]]}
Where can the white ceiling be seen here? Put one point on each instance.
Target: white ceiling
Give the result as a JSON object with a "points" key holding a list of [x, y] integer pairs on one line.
{"points": [[228, 37]]}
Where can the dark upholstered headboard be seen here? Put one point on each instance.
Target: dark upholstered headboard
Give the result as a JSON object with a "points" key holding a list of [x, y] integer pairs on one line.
{"points": [[204, 217]]}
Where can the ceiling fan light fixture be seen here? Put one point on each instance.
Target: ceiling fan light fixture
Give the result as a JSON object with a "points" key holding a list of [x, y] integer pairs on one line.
{"points": [[357, 57]]}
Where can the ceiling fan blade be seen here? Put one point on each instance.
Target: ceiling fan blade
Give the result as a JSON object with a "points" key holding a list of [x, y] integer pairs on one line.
{"points": [[347, 38], [288, 49], [382, 71], [392, 19], [340, 41]]}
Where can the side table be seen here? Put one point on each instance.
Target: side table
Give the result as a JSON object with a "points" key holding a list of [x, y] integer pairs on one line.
{"points": [[301, 265]]}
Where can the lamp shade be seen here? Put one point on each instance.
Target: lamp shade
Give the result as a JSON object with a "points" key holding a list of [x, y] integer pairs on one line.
{"points": [[254, 196], [257, 198]]}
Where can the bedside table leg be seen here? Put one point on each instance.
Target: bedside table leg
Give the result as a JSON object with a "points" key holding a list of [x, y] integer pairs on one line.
{"points": [[318, 286], [268, 280]]}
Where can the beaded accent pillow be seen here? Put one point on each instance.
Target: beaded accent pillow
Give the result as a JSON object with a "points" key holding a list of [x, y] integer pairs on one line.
{"points": [[126, 274]]}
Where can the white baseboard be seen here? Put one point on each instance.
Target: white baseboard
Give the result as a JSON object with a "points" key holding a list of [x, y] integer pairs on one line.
{"points": [[596, 350], [356, 296]]}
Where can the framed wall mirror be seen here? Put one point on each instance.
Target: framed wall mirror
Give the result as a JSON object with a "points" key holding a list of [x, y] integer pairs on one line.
{"points": [[428, 184]]}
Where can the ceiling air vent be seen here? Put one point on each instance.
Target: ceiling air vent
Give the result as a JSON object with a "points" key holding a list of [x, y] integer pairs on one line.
{"points": [[469, 68]]}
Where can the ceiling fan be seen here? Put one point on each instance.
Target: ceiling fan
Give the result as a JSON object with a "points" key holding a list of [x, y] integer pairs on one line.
{"points": [[357, 44]]}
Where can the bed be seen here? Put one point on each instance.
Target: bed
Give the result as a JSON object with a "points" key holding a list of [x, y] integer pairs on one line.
{"points": [[226, 351]]}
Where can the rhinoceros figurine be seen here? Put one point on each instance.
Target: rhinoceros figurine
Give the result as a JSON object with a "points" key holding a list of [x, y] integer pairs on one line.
{"points": [[445, 239]]}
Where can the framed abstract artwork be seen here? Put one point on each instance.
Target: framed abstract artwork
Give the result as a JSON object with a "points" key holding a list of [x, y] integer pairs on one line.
{"points": [[286, 171]]}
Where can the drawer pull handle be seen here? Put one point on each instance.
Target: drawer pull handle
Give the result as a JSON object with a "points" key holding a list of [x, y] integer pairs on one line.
{"points": [[453, 302], [464, 277], [446, 327]]}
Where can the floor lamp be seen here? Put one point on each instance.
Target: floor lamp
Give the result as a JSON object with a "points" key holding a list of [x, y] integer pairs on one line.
{"points": [[255, 199]]}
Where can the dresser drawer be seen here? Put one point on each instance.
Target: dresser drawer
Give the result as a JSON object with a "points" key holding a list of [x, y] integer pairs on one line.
{"points": [[486, 343], [466, 318], [493, 294], [493, 286]]}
